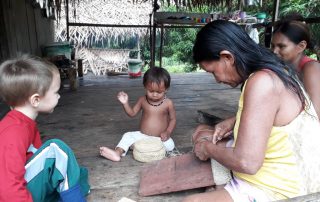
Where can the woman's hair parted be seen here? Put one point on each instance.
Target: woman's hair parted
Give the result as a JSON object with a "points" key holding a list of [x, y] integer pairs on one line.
{"points": [[24, 76], [249, 56], [157, 75]]}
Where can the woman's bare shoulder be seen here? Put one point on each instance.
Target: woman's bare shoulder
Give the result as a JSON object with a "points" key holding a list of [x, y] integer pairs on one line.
{"points": [[264, 79], [311, 68]]}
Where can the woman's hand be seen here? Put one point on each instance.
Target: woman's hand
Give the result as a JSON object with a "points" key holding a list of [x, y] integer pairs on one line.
{"points": [[200, 150], [201, 134], [216, 133], [223, 129], [123, 97]]}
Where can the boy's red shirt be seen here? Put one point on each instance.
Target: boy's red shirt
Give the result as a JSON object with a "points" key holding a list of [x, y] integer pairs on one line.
{"points": [[18, 134]]}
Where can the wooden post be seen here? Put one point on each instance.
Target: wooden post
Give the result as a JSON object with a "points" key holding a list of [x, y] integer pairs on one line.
{"points": [[154, 35], [67, 19], [269, 29], [4, 47], [161, 45], [275, 10], [151, 49], [138, 45]]}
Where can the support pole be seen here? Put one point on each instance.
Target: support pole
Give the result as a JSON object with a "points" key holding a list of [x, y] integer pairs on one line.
{"points": [[275, 10], [67, 19], [154, 35], [269, 29], [150, 38], [161, 45]]}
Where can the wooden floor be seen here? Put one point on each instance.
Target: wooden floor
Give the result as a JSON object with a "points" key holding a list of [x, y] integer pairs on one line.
{"points": [[92, 116]]}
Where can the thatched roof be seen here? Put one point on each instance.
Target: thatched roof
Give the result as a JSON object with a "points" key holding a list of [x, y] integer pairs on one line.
{"points": [[178, 3], [112, 12]]}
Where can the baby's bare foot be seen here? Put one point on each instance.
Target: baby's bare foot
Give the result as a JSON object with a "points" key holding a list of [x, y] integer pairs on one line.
{"points": [[109, 154]]}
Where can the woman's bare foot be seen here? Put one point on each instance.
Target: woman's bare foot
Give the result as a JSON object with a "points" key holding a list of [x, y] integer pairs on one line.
{"points": [[109, 154]]}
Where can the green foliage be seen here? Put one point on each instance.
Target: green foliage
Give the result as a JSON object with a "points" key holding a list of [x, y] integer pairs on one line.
{"points": [[175, 69], [306, 8], [179, 44]]}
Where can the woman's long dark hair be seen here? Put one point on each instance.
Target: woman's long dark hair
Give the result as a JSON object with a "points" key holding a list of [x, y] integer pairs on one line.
{"points": [[249, 57]]}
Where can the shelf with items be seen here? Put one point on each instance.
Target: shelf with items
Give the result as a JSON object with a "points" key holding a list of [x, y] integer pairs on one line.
{"points": [[181, 18]]}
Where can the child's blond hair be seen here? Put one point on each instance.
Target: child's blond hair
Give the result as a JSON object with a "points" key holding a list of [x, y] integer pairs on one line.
{"points": [[24, 76]]}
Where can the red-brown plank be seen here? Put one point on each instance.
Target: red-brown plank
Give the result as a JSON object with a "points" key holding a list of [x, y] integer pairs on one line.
{"points": [[175, 174]]}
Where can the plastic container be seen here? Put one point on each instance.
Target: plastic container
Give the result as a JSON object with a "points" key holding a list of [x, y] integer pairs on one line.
{"points": [[261, 17], [134, 67], [58, 48]]}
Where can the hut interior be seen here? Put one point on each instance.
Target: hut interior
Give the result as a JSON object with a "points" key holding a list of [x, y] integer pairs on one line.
{"points": [[90, 115]]}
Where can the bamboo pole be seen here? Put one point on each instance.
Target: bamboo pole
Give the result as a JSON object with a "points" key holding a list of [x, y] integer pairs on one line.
{"points": [[67, 19], [161, 45]]}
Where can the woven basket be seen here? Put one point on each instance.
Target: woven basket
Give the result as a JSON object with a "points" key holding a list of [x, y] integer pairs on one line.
{"points": [[148, 150], [221, 175]]}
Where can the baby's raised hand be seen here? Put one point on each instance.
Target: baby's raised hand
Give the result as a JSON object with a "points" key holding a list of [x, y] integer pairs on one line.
{"points": [[123, 97]]}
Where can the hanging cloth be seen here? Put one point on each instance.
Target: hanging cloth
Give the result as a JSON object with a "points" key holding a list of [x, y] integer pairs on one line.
{"points": [[252, 32]]}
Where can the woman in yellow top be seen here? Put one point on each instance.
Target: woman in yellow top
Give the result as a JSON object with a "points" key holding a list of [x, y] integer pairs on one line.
{"points": [[274, 153]]}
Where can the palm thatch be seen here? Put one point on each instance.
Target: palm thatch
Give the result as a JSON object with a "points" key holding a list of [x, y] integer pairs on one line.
{"points": [[178, 3], [102, 61], [112, 12]]}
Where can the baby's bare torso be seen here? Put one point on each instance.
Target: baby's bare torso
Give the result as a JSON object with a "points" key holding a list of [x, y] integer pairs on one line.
{"points": [[155, 119]]}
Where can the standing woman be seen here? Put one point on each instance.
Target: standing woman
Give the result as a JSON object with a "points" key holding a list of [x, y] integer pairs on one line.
{"points": [[290, 40], [274, 153]]}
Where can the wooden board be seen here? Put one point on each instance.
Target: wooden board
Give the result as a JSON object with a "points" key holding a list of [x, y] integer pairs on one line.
{"points": [[175, 174]]}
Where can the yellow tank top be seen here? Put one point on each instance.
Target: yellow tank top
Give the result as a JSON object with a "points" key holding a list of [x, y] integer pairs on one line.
{"points": [[292, 161]]}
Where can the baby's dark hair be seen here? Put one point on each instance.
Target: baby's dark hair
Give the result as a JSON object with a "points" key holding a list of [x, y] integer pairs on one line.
{"points": [[157, 75], [24, 76]]}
